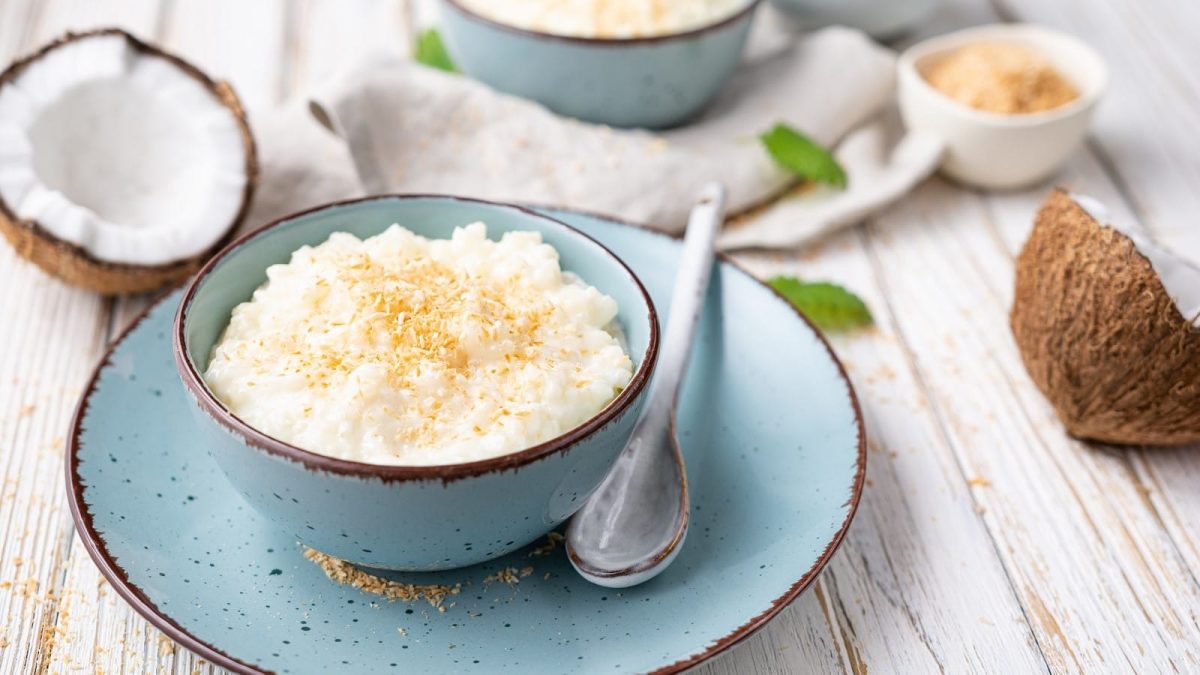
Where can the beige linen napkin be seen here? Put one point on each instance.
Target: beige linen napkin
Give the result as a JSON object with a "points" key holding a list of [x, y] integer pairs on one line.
{"points": [[407, 128]]}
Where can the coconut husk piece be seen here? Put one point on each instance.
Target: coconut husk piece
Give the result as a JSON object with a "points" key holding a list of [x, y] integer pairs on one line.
{"points": [[1099, 334], [73, 264]]}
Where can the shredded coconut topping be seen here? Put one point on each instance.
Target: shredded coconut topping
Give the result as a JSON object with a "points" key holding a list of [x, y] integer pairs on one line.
{"points": [[399, 349]]}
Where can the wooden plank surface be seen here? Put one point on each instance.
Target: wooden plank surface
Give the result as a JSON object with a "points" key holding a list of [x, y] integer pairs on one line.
{"points": [[986, 541], [897, 583], [40, 377]]}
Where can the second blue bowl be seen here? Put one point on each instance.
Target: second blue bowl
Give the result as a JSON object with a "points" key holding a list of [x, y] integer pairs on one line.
{"points": [[651, 82]]}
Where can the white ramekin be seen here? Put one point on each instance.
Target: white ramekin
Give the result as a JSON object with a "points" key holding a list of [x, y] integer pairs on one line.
{"points": [[992, 150]]}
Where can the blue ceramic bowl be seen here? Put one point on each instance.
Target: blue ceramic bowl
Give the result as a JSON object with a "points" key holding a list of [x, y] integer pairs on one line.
{"points": [[652, 82], [397, 517]]}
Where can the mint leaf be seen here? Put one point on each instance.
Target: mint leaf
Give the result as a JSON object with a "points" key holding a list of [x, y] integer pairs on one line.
{"points": [[829, 306], [802, 156], [431, 52]]}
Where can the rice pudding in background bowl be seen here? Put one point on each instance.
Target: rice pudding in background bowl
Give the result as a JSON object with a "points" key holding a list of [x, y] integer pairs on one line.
{"points": [[625, 63], [412, 382]]}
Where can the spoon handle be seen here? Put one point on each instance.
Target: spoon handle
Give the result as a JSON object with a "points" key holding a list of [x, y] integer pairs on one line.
{"points": [[687, 300]]}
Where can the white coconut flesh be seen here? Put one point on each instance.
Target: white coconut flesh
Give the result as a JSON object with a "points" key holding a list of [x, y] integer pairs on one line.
{"points": [[121, 153], [1180, 277]]}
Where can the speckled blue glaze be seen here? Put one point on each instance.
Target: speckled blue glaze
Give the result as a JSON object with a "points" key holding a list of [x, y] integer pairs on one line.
{"points": [[647, 82], [775, 457], [410, 518]]}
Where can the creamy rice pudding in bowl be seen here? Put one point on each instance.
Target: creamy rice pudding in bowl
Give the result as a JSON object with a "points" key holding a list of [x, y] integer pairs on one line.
{"points": [[625, 63], [416, 383]]}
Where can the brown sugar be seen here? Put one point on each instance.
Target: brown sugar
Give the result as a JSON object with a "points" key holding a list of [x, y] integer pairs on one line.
{"points": [[1001, 77]]}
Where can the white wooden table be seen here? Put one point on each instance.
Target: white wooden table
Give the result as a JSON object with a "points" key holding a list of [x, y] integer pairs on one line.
{"points": [[986, 539]]}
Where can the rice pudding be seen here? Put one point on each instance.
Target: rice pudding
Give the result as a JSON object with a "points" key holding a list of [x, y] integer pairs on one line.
{"points": [[606, 18], [402, 350]]}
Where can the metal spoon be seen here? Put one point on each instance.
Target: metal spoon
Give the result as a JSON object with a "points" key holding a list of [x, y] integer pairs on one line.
{"points": [[633, 526]]}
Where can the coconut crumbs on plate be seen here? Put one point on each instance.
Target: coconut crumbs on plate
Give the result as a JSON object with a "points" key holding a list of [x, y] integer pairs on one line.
{"points": [[552, 541], [507, 575], [345, 573], [342, 572]]}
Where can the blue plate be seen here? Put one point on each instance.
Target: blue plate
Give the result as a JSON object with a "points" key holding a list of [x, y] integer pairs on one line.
{"points": [[775, 452]]}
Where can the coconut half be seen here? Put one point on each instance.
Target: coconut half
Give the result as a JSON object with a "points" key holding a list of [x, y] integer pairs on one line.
{"points": [[122, 167], [1106, 323]]}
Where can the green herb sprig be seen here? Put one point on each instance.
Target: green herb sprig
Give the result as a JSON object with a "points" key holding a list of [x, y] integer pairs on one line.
{"points": [[830, 307], [802, 156], [431, 52]]}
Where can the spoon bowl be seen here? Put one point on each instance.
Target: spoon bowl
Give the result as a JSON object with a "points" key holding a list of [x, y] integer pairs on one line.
{"points": [[629, 534]]}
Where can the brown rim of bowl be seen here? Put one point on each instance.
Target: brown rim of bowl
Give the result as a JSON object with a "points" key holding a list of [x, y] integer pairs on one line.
{"points": [[143, 605], [607, 42], [446, 473]]}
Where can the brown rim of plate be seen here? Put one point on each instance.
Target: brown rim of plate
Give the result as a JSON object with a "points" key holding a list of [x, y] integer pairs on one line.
{"points": [[95, 545], [145, 607], [607, 42], [446, 473], [221, 91]]}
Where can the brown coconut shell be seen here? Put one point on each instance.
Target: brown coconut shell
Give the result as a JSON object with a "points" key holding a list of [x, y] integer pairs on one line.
{"points": [[1100, 335], [72, 263]]}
